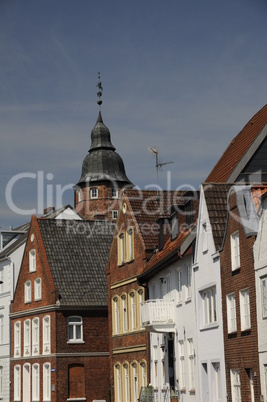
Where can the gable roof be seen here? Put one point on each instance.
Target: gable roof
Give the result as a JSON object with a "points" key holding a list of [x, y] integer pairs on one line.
{"points": [[240, 150], [216, 195], [147, 207], [77, 253]]}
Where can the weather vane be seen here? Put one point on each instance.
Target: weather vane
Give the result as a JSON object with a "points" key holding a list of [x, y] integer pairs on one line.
{"points": [[159, 164], [100, 90]]}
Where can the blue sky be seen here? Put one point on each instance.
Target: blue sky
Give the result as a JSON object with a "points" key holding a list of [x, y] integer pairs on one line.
{"points": [[184, 76]]}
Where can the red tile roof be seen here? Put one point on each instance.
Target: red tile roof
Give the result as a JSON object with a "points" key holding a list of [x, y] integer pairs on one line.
{"points": [[238, 147]]}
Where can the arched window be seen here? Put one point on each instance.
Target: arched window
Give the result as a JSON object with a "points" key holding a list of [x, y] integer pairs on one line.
{"points": [[117, 383], [17, 383], [47, 382], [132, 317], [32, 261], [130, 244], [116, 315], [140, 295], [134, 382], [17, 339], [75, 329], [143, 373], [38, 289], [35, 336], [35, 382], [27, 337], [121, 249], [124, 313], [26, 387], [46, 335], [126, 382], [28, 292]]}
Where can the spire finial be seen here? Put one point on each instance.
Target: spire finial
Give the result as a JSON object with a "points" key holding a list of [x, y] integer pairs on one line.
{"points": [[100, 90]]}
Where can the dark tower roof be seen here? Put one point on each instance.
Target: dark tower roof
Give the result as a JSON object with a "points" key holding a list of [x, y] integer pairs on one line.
{"points": [[102, 162]]}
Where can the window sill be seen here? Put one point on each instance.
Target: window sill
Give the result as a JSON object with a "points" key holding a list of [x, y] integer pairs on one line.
{"points": [[76, 399], [75, 342], [183, 390], [192, 392], [179, 304], [209, 326], [188, 300]]}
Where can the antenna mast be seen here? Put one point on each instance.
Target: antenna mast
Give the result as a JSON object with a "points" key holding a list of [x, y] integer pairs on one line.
{"points": [[158, 164]]}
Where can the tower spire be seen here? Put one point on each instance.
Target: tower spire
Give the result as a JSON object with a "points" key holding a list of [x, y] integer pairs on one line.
{"points": [[99, 93]]}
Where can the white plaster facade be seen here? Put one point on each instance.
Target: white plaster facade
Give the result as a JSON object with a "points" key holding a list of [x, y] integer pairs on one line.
{"points": [[206, 274], [173, 346], [260, 258]]}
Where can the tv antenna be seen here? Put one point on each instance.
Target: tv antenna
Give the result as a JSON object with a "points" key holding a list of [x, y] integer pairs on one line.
{"points": [[159, 164]]}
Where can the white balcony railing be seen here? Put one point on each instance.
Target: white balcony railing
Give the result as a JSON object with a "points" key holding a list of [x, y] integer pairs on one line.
{"points": [[158, 314]]}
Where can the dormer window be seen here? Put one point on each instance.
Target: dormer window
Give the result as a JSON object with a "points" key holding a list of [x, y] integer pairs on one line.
{"points": [[94, 192], [114, 192], [32, 260]]}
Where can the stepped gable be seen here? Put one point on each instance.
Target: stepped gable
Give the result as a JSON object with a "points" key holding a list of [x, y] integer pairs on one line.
{"points": [[216, 195], [148, 206], [77, 253], [238, 148]]}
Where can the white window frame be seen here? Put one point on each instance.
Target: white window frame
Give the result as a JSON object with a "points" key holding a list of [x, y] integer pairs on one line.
{"points": [[114, 214], [38, 289], [47, 382], [28, 292], [121, 248], [263, 285], [46, 335], [132, 296], [35, 382], [130, 244], [191, 363], [204, 237], [231, 313], [116, 315], [114, 192], [17, 339], [126, 382], [189, 281], [245, 309], [143, 373], [134, 380], [124, 312], [26, 382], [75, 324], [17, 383], [179, 286], [118, 383], [209, 303], [182, 365], [2, 322], [35, 336], [93, 193], [235, 251], [32, 260], [27, 338], [235, 385]]}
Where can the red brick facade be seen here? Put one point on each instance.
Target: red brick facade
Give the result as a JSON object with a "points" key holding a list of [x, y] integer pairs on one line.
{"points": [[241, 346]]}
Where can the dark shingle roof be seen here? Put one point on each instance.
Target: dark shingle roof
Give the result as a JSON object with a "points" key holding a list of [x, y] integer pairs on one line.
{"points": [[77, 253], [238, 147], [147, 208], [216, 199]]}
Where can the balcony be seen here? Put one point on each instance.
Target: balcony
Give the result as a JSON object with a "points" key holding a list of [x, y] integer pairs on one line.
{"points": [[158, 315]]}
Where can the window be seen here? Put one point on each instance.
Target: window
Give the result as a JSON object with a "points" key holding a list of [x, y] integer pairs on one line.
{"points": [[235, 251], [114, 192], [28, 292], [143, 374], [47, 382], [191, 363], [132, 311], [117, 383], [17, 383], [26, 387], [231, 312], [94, 192], [116, 315], [189, 279], [76, 382], [121, 249], [75, 329], [2, 281], [124, 313], [46, 335], [216, 382], [134, 381], [38, 289], [179, 285], [126, 383], [182, 365], [79, 193], [32, 260], [204, 237], [235, 385], [17, 339], [35, 383], [264, 296], [35, 336], [209, 306], [27, 338], [114, 214], [1, 381], [244, 309], [130, 244], [1, 329], [140, 295]]}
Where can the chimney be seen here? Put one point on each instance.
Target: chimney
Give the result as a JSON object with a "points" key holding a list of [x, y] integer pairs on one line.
{"points": [[48, 210]]}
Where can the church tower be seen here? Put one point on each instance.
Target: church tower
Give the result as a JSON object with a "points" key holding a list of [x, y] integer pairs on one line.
{"points": [[103, 176]]}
